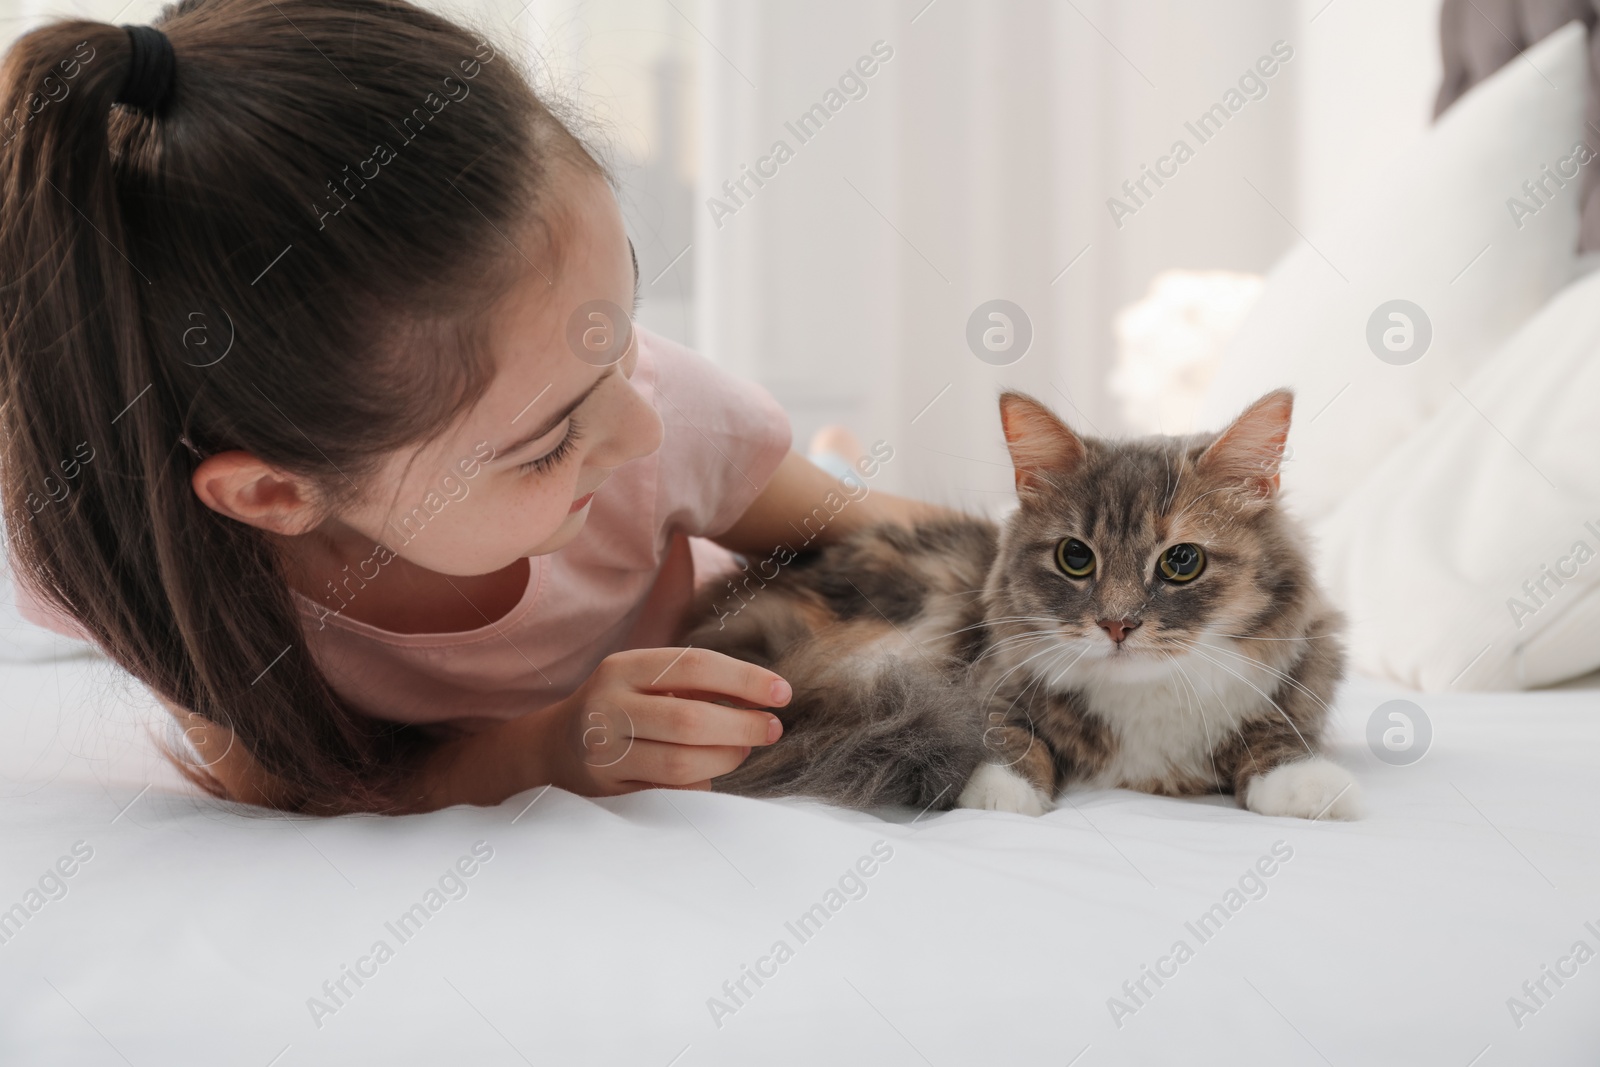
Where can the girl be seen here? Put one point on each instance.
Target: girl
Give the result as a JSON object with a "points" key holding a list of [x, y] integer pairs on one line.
{"points": [[324, 418]]}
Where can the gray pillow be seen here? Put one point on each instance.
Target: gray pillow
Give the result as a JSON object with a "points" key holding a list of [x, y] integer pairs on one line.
{"points": [[1478, 37]]}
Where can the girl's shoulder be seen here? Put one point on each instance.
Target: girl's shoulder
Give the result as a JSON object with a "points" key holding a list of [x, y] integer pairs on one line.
{"points": [[724, 436]]}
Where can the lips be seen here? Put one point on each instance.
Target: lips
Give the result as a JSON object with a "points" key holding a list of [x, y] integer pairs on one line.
{"points": [[580, 503]]}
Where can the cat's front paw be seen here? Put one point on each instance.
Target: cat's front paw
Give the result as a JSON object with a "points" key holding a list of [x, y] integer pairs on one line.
{"points": [[1314, 788], [996, 788]]}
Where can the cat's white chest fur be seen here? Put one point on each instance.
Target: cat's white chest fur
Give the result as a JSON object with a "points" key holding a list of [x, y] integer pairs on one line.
{"points": [[1169, 715]]}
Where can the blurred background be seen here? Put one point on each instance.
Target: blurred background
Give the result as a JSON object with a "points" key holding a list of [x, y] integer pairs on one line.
{"points": [[973, 164]]}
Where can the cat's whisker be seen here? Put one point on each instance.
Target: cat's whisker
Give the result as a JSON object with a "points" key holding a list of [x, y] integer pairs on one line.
{"points": [[1197, 650], [1299, 637], [1026, 633], [1245, 741], [1012, 639], [1177, 667], [1069, 666], [1036, 683], [1264, 666], [990, 696], [1021, 618], [994, 619], [1060, 651], [1049, 647], [1048, 631], [1284, 675], [1024, 691], [999, 682], [1064, 650], [990, 622], [1199, 706]]}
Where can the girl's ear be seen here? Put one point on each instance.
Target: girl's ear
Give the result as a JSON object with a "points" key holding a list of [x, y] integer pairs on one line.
{"points": [[243, 488]]}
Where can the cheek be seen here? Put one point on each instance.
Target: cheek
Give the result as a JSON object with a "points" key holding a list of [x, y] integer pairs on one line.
{"points": [[1241, 601], [1186, 609], [503, 516], [1045, 598], [534, 505], [496, 525]]}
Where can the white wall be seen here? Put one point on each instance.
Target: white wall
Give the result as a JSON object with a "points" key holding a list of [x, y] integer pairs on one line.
{"points": [[985, 157], [977, 166], [1370, 77]]}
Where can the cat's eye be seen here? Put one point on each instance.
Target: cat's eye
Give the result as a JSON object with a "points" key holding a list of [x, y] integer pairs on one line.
{"points": [[1182, 563], [1074, 558]]}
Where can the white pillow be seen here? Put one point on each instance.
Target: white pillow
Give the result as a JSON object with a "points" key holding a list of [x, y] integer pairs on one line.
{"points": [[1429, 555], [1429, 213]]}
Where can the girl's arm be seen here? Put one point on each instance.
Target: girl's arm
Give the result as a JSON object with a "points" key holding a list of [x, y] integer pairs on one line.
{"points": [[803, 501], [482, 768], [646, 717]]}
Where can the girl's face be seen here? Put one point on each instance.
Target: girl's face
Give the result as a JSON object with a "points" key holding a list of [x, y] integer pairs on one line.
{"points": [[515, 475]]}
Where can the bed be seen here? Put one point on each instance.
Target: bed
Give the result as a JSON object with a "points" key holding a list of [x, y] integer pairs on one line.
{"points": [[621, 930]]}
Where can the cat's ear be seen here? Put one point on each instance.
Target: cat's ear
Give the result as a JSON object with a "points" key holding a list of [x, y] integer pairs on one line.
{"points": [[1041, 444], [1248, 452]]}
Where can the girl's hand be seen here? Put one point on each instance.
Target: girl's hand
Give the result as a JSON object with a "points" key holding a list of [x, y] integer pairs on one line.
{"points": [[646, 718]]}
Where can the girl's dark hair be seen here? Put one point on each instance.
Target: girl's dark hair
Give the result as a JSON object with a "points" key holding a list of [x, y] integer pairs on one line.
{"points": [[330, 195]]}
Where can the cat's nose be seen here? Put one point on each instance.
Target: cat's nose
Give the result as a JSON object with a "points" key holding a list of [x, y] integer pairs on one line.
{"points": [[1117, 628]]}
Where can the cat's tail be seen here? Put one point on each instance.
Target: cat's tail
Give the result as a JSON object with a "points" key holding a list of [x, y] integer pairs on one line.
{"points": [[897, 732]]}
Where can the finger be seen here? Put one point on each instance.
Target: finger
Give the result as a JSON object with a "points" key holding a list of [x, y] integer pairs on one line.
{"points": [[660, 763], [702, 670], [689, 693], [696, 722]]}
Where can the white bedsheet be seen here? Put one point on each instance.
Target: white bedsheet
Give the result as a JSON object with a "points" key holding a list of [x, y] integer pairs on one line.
{"points": [[598, 931]]}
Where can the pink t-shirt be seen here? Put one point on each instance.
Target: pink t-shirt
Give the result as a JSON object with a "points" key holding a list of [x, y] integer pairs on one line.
{"points": [[624, 582]]}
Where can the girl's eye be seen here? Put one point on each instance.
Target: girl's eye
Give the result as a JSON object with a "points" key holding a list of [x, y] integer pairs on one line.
{"points": [[1074, 558], [555, 455], [1182, 563]]}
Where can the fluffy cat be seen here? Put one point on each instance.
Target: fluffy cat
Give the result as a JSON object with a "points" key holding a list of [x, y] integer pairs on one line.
{"points": [[1147, 619]]}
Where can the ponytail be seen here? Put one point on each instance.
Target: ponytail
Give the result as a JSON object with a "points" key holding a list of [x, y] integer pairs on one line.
{"points": [[122, 233]]}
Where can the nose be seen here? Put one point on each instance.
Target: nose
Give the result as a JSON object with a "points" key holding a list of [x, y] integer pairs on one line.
{"points": [[638, 430], [1117, 628]]}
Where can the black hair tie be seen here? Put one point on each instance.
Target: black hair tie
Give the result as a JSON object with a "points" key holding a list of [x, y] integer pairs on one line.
{"points": [[151, 66]]}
